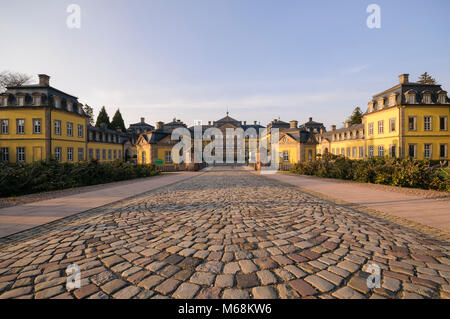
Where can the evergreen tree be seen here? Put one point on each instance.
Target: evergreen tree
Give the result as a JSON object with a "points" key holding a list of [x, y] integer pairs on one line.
{"points": [[356, 117], [89, 112], [117, 121], [103, 117], [426, 79]]}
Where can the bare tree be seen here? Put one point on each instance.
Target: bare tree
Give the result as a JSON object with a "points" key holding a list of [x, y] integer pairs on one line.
{"points": [[8, 78]]}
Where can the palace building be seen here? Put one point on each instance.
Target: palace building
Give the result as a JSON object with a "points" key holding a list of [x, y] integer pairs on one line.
{"points": [[39, 122], [407, 120]]}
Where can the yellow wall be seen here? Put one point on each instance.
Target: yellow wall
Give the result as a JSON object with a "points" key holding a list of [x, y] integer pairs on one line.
{"points": [[34, 143], [105, 146], [293, 153]]}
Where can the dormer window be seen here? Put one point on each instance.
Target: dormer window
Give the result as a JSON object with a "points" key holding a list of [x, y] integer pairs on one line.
{"points": [[380, 103], [411, 99], [426, 99], [69, 106], [442, 98], [371, 106], [392, 99]]}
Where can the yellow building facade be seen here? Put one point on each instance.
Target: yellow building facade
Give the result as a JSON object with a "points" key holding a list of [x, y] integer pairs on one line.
{"points": [[407, 120], [39, 122]]}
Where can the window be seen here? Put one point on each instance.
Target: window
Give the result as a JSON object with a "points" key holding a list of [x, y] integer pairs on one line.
{"points": [[412, 123], [427, 123], [69, 129], [4, 154], [427, 150], [168, 157], [5, 127], [348, 151], [381, 150], [104, 155], [80, 154], [57, 127], [91, 153], [392, 125], [380, 127], [310, 155], [392, 152], [115, 154], [20, 153], [143, 158], [392, 100], [36, 126], [120, 154], [443, 123], [412, 150], [70, 154], [109, 154], [442, 99], [371, 151], [20, 126], [58, 153], [80, 130], [411, 99], [370, 128], [426, 99], [354, 152], [97, 154], [443, 150], [285, 156], [332, 151], [361, 152]]}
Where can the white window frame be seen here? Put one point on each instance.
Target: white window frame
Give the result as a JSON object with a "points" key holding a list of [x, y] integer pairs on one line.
{"points": [[392, 121], [69, 127], [21, 154], [371, 150], [414, 118], [5, 126], [20, 129], [370, 128], [168, 157], [4, 154], [380, 150], [381, 127], [445, 123], [70, 154], [80, 130], [58, 153], [415, 150], [57, 127], [427, 150], [427, 126], [80, 152], [37, 129], [285, 156]]}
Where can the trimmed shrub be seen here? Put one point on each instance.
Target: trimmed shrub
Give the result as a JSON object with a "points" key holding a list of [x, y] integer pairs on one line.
{"points": [[407, 172], [50, 175]]}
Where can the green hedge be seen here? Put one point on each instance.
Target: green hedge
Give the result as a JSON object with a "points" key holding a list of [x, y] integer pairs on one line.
{"points": [[388, 171], [50, 175]]}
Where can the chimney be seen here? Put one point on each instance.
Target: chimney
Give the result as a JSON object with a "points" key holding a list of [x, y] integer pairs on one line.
{"points": [[403, 78], [347, 124], [293, 124], [310, 119], [44, 80], [254, 122], [209, 122], [333, 127], [142, 120], [159, 125], [245, 122]]}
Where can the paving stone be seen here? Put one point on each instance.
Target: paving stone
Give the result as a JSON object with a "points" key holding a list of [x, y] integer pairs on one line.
{"points": [[85, 291], [246, 280], [264, 293], [266, 277], [224, 281], [247, 266], [302, 287], [50, 292], [347, 293], [150, 282], [113, 285], [319, 283], [203, 278], [235, 294], [186, 291], [211, 266], [127, 293]]}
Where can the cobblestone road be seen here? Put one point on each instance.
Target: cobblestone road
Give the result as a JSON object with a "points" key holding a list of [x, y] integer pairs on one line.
{"points": [[226, 234]]}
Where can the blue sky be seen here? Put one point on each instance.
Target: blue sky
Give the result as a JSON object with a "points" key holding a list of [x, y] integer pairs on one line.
{"points": [[193, 59]]}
